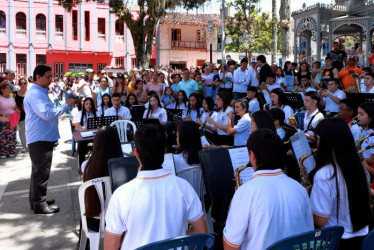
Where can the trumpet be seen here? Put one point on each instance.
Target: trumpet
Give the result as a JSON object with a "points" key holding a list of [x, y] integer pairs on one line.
{"points": [[303, 172], [238, 181], [292, 119], [361, 140]]}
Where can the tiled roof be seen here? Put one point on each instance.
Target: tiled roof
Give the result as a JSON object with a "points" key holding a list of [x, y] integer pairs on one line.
{"points": [[192, 19]]}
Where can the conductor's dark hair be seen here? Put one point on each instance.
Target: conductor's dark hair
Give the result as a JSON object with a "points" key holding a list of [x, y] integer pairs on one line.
{"points": [[189, 141], [150, 142], [268, 149], [337, 147], [368, 107], [263, 119], [40, 70]]}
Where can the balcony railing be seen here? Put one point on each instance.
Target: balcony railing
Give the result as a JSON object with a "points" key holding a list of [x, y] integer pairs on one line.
{"points": [[119, 38], [188, 45], [20, 33], [59, 35], [41, 34], [2, 32], [101, 37]]}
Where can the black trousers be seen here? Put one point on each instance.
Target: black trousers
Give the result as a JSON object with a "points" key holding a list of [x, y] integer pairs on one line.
{"points": [[41, 153]]}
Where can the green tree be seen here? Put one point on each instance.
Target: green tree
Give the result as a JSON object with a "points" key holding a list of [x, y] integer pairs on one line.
{"points": [[250, 23], [141, 22]]}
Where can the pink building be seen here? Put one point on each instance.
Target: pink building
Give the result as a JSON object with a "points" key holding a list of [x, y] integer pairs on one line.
{"points": [[41, 31]]}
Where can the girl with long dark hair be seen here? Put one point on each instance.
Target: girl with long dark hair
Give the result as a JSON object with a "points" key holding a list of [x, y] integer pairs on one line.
{"points": [[140, 93], [194, 108], [106, 146], [262, 119], [88, 111], [106, 103], [188, 140], [181, 101], [340, 192], [304, 71], [131, 100], [279, 100], [155, 110]]}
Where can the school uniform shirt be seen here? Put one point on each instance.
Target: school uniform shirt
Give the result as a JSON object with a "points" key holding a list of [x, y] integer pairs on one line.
{"points": [[152, 207], [363, 90], [229, 78], [318, 117], [193, 113], [323, 199], [366, 154], [288, 111], [222, 118], [211, 114], [160, 114], [123, 111], [253, 106], [101, 110], [243, 129], [165, 99], [281, 133], [356, 131], [330, 104], [78, 117], [280, 81], [241, 80], [266, 94], [180, 163], [180, 105], [147, 105], [272, 213]]}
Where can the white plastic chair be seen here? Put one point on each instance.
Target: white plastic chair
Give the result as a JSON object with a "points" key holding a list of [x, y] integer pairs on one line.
{"points": [[194, 176], [85, 233], [121, 126]]}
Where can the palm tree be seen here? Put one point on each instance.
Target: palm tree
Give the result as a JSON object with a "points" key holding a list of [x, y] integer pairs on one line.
{"points": [[285, 16]]}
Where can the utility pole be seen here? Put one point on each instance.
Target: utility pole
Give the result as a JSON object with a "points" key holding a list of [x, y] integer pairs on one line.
{"points": [[274, 31], [223, 42]]}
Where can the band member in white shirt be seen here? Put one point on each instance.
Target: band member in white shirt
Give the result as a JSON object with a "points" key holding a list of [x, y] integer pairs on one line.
{"points": [[332, 97], [279, 206], [269, 86], [312, 116], [241, 130], [122, 112], [88, 111], [253, 104], [365, 115], [194, 108], [155, 111], [369, 83], [279, 100], [304, 86], [347, 112]]}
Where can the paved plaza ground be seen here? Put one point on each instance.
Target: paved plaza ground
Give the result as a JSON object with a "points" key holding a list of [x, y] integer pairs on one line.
{"points": [[20, 228]]}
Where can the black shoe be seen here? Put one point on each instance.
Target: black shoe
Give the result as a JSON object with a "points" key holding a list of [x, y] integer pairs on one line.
{"points": [[49, 202], [46, 210]]}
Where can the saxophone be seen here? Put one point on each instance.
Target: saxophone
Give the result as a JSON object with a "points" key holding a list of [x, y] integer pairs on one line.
{"points": [[303, 172], [238, 181], [361, 140], [360, 152], [292, 119]]}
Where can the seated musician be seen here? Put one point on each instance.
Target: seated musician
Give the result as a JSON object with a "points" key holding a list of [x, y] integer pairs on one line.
{"points": [[253, 104], [117, 109], [278, 99], [269, 86], [106, 103], [304, 87], [208, 105], [347, 111], [369, 84], [181, 102], [189, 145], [194, 108], [365, 117], [155, 111], [262, 119], [88, 111], [131, 101], [340, 193], [242, 129], [131, 218], [365, 71], [265, 219], [284, 130], [332, 97], [312, 116]]}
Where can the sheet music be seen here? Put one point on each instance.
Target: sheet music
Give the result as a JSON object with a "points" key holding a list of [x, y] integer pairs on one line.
{"points": [[88, 133], [301, 147], [126, 149], [239, 157], [169, 163]]}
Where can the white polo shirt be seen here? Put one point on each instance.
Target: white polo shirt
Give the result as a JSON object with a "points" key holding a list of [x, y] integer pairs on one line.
{"points": [[78, 117], [356, 131], [269, 207], [314, 122], [287, 110], [366, 154], [253, 106], [330, 104], [160, 114], [193, 113], [123, 111], [152, 207], [266, 94], [364, 90], [323, 199], [241, 80], [243, 129], [222, 118], [211, 114]]}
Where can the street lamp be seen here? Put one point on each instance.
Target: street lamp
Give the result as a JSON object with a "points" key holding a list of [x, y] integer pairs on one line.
{"points": [[210, 32], [246, 39]]}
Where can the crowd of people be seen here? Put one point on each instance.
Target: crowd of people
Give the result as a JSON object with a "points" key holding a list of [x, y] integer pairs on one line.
{"points": [[234, 104]]}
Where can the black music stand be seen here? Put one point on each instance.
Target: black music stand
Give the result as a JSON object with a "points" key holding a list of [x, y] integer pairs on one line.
{"points": [[171, 113], [144, 121], [261, 99], [295, 100], [359, 98], [122, 170], [137, 111], [94, 123]]}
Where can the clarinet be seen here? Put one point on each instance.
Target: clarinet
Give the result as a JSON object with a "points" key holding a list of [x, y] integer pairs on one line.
{"points": [[202, 128]]}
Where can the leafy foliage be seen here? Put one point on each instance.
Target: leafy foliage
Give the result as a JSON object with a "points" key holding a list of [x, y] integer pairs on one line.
{"points": [[248, 20]]}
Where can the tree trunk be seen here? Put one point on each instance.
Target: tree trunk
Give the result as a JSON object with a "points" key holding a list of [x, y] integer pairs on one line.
{"points": [[274, 31], [285, 17]]}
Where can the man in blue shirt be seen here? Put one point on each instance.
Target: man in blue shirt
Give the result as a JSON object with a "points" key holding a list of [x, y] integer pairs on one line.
{"points": [[187, 84], [41, 133]]}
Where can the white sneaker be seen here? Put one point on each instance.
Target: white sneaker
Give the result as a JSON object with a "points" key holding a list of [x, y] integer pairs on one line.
{"points": [[24, 150], [3, 157], [11, 155]]}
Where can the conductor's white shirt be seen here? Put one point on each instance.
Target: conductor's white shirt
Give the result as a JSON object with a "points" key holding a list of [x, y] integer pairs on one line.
{"points": [[269, 207], [152, 207]]}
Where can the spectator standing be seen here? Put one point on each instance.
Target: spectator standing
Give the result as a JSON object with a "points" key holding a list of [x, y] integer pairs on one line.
{"points": [[20, 95], [242, 78], [265, 69], [187, 84], [10, 76], [87, 85], [338, 56]]}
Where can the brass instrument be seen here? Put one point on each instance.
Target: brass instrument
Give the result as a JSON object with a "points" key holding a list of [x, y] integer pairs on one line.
{"points": [[292, 119], [360, 152], [303, 172], [238, 181], [361, 140], [355, 88]]}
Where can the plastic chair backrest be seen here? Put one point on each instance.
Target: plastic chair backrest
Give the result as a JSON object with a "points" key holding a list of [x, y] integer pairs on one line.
{"points": [[103, 202], [193, 241], [368, 243], [121, 126], [325, 238], [194, 176]]}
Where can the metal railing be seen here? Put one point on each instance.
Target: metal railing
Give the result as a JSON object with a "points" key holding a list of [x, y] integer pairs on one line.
{"points": [[175, 44]]}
